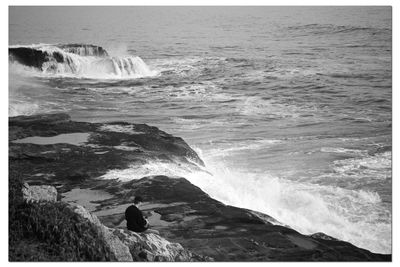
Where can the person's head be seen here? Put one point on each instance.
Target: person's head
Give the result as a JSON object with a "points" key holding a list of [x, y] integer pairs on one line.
{"points": [[137, 200]]}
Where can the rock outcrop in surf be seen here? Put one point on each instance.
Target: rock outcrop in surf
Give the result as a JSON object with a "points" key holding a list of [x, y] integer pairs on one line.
{"points": [[77, 59], [180, 211], [35, 56], [31, 57], [84, 49]]}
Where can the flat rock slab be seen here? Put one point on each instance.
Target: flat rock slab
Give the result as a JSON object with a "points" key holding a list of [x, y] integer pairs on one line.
{"points": [[180, 211], [52, 149], [225, 233]]}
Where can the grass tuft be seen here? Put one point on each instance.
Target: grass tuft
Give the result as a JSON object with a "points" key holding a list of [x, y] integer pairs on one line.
{"points": [[50, 231]]}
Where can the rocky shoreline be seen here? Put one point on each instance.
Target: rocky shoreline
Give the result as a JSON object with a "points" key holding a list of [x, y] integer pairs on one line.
{"points": [[124, 245], [71, 157]]}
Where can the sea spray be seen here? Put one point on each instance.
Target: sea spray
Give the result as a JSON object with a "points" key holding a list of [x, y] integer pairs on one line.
{"points": [[350, 215], [81, 61]]}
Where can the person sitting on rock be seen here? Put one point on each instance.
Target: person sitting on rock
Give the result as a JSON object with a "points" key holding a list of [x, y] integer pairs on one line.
{"points": [[134, 217]]}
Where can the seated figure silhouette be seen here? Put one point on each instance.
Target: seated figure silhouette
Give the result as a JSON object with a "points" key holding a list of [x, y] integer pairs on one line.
{"points": [[135, 220]]}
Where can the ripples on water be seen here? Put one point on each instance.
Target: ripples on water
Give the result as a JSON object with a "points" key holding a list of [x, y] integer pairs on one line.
{"points": [[292, 116]]}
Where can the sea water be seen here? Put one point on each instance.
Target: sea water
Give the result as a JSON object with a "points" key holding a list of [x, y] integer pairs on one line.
{"points": [[289, 107]]}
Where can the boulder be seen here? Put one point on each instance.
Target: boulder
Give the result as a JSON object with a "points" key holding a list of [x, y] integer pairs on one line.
{"points": [[118, 248], [37, 193], [130, 246], [152, 247]]}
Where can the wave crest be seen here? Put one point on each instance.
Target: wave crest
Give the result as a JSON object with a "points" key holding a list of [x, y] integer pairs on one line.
{"points": [[77, 60], [356, 216]]}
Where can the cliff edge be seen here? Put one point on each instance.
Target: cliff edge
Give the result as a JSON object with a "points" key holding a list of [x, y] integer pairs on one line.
{"points": [[72, 158]]}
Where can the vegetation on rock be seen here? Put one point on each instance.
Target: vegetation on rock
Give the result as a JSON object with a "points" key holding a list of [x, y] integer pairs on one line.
{"points": [[50, 231]]}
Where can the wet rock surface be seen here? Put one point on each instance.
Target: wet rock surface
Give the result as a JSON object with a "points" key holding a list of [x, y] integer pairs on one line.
{"points": [[109, 146], [208, 227], [36, 56], [180, 211]]}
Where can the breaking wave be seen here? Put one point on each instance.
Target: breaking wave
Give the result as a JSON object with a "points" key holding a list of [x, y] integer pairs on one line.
{"points": [[78, 60], [356, 216]]}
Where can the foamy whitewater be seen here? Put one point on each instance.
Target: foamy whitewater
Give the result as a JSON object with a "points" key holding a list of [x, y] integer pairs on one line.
{"points": [[289, 108], [87, 62]]}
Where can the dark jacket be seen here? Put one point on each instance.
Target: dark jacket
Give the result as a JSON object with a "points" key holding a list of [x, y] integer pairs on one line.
{"points": [[135, 220]]}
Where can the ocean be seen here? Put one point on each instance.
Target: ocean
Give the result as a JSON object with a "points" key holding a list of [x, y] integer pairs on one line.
{"points": [[290, 108]]}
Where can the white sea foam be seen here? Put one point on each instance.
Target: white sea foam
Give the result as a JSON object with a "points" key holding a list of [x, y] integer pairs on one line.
{"points": [[89, 66], [204, 91], [22, 108], [377, 166], [137, 171], [341, 150], [356, 216], [126, 148], [239, 146], [26, 107], [119, 128], [198, 123], [180, 66], [270, 109], [196, 92], [185, 66]]}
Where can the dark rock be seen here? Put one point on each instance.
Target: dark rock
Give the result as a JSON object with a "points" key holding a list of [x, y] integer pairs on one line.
{"points": [[32, 57], [27, 56], [225, 233], [69, 164], [35, 56], [180, 211], [26, 121]]}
